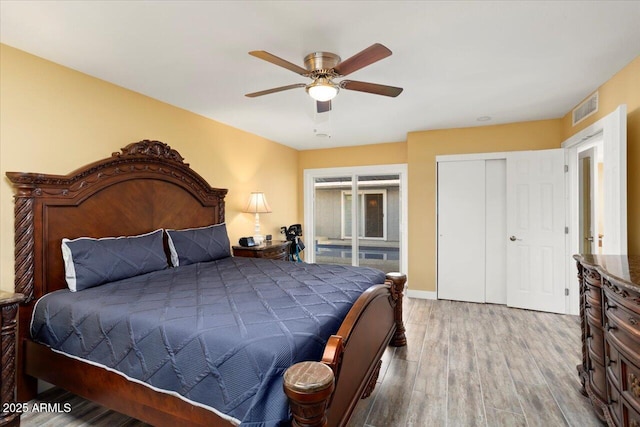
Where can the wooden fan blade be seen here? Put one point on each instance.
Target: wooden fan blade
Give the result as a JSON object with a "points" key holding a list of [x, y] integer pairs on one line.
{"points": [[275, 89], [279, 61], [323, 106], [372, 54], [371, 88]]}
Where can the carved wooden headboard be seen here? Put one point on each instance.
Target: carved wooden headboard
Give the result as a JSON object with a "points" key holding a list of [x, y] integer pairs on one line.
{"points": [[144, 187]]}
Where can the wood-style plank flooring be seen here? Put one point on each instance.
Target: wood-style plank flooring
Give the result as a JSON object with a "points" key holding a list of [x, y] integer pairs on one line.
{"points": [[465, 365]]}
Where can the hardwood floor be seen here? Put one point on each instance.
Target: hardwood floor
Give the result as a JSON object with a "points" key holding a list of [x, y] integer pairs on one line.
{"points": [[480, 365], [465, 365]]}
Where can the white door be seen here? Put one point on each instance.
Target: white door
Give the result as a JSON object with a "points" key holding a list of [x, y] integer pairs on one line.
{"points": [[536, 229], [461, 230]]}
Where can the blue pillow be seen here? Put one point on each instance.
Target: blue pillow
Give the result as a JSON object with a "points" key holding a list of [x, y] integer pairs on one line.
{"points": [[92, 262], [193, 245]]}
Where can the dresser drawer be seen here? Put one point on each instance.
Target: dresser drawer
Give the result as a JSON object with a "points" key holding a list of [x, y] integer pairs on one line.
{"points": [[276, 252], [621, 411], [592, 294], [617, 295], [623, 331], [598, 379], [615, 403], [593, 312], [612, 364], [595, 343]]}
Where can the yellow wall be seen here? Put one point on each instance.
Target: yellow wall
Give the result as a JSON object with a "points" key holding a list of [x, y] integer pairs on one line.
{"points": [[364, 155], [622, 88], [54, 120], [423, 147]]}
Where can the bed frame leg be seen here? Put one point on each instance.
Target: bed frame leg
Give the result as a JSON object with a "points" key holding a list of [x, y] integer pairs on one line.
{"points": [[397, 282], [309, 386]]}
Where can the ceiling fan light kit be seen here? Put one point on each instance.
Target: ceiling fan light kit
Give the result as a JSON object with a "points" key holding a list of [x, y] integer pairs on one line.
{"points": [[322, 89], [323, 67]]}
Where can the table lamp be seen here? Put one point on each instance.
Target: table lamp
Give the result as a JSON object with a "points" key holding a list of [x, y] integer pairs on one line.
{"points": [[257, 205]]}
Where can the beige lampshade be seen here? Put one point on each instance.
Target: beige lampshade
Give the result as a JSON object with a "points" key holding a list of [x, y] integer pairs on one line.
{"points": [[258, 204]]}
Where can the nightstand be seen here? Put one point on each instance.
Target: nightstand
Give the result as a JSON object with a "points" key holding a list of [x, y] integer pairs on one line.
{"points": [[8, 327], [277, 249]]}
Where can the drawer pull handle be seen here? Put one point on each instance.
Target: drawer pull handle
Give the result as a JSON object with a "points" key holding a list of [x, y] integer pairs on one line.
{"points": [[587, 305], [611, 362], [609, 327], [635, 385], [610, 306], [633, 321]]}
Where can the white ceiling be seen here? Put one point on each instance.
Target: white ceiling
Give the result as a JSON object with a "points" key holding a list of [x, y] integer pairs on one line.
{"points": [[456, 60]]}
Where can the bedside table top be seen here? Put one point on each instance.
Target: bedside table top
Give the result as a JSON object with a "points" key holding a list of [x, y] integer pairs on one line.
{"points": [[263, 246], [10, 297]]}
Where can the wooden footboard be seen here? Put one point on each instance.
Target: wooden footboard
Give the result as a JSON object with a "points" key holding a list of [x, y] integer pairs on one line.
{"points": [[353, 356]]}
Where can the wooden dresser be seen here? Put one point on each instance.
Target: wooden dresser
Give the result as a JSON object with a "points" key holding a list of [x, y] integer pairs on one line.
{"points": [[610, 322], [10, 411]]}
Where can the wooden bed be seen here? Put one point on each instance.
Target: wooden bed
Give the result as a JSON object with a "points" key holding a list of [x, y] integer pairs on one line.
{"points": [[144, 187]]}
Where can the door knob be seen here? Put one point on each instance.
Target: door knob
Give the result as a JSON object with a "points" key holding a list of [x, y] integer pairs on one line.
{"points": [[513, 238]]}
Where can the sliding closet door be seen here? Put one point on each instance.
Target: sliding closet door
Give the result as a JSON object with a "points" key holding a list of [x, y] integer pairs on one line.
{"points": [[461, 230]]}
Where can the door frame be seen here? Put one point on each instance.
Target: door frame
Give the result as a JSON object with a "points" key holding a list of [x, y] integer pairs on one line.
{"points": [[614, 134], [309, 176]]}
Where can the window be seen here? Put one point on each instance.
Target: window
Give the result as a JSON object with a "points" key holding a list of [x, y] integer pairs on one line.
{"points": [[372, 207]]}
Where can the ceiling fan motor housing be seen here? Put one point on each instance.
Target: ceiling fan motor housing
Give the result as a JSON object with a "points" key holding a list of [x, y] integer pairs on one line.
{"points": [[321, 61]]}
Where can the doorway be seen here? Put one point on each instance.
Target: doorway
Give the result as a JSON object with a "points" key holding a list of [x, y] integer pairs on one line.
{"points": [[590, 196], [609, 133]]}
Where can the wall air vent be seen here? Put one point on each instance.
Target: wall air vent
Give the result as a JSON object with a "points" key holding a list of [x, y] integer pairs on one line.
{"points": [[588, 107]]}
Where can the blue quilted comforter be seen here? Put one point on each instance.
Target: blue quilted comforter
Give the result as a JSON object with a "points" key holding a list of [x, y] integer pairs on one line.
{"points": [[219, 334]]}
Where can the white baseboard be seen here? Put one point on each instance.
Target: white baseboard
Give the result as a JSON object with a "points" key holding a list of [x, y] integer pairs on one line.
{"points": [[421, 294]]}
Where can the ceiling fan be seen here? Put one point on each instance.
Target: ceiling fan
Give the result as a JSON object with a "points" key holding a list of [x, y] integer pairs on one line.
{"points": [[323, 67]]}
